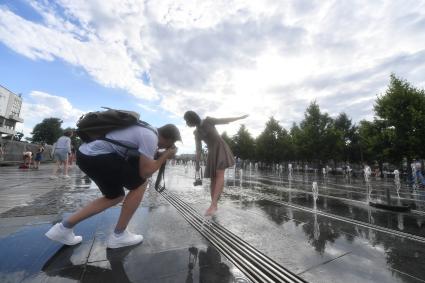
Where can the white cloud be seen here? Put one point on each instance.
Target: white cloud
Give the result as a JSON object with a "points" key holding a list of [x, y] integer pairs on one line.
{"points": [[106, 61], [147, 108], [225, 58], [40, 105]]}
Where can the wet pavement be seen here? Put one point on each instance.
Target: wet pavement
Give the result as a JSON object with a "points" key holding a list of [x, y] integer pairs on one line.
{"points": [[171, 251], [340, 239]]}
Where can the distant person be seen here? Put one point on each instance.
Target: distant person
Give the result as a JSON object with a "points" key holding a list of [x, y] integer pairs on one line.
{"points": [[349, 170], [38, 157], [420, 179], [61, 152], [377, 172], [27, 158], [219, 157], [113, 167]]}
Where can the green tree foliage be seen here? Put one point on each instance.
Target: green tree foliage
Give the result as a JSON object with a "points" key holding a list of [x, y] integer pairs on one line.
{"points": [[274, 143], [244, 144], [397, 132], [19, 136], [296, 143], [347, 142], [402, 111], [374, 141], [315, 139], [228, 140], [48, 131]]}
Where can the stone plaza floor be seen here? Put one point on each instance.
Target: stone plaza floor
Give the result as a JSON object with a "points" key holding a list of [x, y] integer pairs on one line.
{"points": [[338, 239]]}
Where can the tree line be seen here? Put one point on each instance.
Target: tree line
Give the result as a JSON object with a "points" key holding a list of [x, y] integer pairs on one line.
{"points": [[50, 130], [396, 134]]}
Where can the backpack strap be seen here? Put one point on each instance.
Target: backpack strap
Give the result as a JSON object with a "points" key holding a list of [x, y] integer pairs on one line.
{"points": [[118, 143], [147, 126], [142, 124]]}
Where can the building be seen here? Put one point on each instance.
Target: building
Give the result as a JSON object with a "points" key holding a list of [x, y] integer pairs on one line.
{"points": [[10, 108]]}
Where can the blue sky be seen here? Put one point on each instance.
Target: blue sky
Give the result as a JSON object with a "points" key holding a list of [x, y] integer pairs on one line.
{"points": [[219, 58], [23, 75]]}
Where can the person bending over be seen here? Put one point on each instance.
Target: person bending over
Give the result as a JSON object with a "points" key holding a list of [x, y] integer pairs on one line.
{"points": [[219, 157], [113, 167]]}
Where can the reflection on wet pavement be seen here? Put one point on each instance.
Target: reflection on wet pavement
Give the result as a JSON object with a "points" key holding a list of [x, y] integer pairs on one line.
{"points": [[271, 211], [170, 253], [314, 246]]}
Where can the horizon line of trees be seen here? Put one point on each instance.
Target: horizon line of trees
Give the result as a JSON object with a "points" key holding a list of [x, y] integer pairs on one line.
{"points": [[49, 131], [396, 133]]}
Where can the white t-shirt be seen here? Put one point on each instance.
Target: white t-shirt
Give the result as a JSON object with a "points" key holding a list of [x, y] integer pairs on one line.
{"points": [[145, 140], [63, 143]]}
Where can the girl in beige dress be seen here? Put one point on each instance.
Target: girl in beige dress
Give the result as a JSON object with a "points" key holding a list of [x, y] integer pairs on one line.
{"points": [[219, 157]]}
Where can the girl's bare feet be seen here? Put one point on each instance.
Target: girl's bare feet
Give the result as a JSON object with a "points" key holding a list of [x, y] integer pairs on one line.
{"points": [[211, 211]]}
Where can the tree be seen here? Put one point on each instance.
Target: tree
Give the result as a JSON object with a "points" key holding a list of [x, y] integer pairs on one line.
{"points": [[273, 144], [228, 140], [296, 141], [346, 147], [402, 111], [48, 131], [374, 141], [19, 136], [315, 138], [244, 144]]}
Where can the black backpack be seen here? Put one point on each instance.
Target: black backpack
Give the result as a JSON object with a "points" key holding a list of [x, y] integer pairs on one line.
{"points": [[95, 125]]}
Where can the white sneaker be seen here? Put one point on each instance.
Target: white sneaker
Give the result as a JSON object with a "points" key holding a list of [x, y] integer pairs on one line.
{"points": [[63, 235], [66, 176], [124, 240], [53, 177]]}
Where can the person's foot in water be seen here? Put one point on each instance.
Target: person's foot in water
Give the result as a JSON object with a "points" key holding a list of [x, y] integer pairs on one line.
{"points": [[211, 211]]}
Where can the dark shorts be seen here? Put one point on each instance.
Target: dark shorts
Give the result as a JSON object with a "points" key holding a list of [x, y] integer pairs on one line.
{"points": [[111, 173], [37, 157]]}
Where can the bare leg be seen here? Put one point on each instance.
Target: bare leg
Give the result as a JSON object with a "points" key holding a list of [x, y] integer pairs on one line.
{"points": [[94, 207], [216, 192], [212, 185], [130, 205], [55, 169], [65, 166]]}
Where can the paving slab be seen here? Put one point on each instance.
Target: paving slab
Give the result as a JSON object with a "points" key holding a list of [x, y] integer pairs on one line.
{"points": [[309, 244], [172, 251], [316, 247]]}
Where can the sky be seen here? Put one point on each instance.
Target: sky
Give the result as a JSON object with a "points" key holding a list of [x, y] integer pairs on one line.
{"points": [[220, 58]]}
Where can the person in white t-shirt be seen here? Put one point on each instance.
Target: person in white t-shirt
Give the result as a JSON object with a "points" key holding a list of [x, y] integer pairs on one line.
{"points": [[61, 150], [125, 160]]}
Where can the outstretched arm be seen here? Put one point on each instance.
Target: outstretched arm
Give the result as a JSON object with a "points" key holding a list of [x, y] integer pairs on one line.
{"points": [[228, 120]]}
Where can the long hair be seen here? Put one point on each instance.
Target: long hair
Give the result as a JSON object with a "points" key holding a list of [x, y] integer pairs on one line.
{"points": [[192, 118]]}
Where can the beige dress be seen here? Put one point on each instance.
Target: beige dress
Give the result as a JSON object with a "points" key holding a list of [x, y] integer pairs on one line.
{"points": [[220, 156]]}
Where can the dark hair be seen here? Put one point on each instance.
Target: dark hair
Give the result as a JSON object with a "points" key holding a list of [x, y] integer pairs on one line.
{"points": [[192, 118], [170, 132]]}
